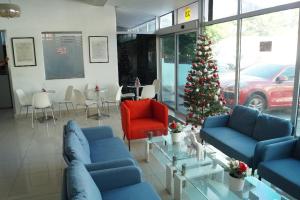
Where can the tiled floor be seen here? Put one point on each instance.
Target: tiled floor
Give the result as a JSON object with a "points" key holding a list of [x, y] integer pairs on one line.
{"points": [[31, 162]]}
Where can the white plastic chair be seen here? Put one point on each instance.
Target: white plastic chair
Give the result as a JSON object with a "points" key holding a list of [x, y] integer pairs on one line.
{"points": [[24, 100], [89, 92], [80, 100], [148, 92], [67, 100], [156, 84], [41, 101], [115, 99]]}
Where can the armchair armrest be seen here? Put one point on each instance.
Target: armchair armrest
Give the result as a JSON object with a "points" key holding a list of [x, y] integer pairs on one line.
{"points": [[279, 150], [125, 118], [260, 147], [216, 121], [110, 179], [97, 133], [110, 164], [160, 112]]}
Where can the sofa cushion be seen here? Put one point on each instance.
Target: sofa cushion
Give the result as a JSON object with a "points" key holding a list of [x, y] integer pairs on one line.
{"points": [[139, 109], [138, 191], [74, 149], [108, 149], [283, 173], [231, 142], [80, 184], [269, 127], [243, 119], [139, 127], [72, 126], [220, 133]]}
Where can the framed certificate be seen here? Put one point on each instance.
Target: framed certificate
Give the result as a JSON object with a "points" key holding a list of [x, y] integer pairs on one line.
{"points": [[98, 49], [23, 51]]}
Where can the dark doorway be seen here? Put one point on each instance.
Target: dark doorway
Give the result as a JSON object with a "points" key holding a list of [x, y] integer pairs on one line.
{"points": [[6, 97], [136, 58]]}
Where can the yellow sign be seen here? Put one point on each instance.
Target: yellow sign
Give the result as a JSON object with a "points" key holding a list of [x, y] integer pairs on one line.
{"points": [[187, 13]]}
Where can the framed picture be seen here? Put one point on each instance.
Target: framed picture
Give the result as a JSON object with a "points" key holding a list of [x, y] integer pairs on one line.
{"points": [[23, 51], [98, 49]]}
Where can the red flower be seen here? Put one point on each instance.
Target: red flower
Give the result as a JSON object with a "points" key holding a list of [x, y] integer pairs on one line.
{"points": [[243, 167], [173, 125]]}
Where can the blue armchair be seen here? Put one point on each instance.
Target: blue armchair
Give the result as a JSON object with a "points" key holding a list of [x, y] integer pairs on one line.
{"points": [[110, 184], [95, 147], [243, 134], [281, 166]]}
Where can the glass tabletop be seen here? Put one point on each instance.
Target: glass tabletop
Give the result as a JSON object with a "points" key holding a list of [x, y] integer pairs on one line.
{"points": [[208, 177]]}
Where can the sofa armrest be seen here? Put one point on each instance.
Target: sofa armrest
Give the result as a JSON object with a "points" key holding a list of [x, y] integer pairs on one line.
{"points": [[110, 179], [160, 112], [110, 164], [125, 119], [97, 133], [279, 150], [216, 121], [260, 148]]}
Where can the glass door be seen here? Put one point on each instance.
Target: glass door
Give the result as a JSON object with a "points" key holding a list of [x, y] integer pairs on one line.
{"points": [[186, 47], [167, 46]]}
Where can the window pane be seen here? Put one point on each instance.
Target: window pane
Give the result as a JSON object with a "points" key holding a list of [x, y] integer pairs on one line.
{"points": [[251, 5], [223, 37], [151, 26], [166, 20], [268, 57], [187, 13], [216, 9], [186, 52], [168, 69]]}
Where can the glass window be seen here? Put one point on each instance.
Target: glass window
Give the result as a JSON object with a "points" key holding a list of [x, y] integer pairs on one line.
{"points": [[223, 38], [186, 54], [142, 28], [252, 5], [151, 26], [168, 69], [187, 13], [216, 9], [166, 20], [268, 56]]}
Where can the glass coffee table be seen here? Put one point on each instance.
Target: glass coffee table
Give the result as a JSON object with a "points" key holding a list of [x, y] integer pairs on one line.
{"points": [[188, 177], [172, 156]]}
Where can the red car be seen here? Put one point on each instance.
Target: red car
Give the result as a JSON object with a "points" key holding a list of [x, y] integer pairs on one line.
{"points": [[268, 86]]}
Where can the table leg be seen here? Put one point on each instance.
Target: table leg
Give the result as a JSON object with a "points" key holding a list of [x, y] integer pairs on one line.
{"points": [[170, 170], [137, 93], [147, 151], [178, 186]]}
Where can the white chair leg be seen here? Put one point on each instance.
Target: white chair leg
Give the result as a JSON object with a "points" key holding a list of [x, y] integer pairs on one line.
{"points": [[86, 112], [67, 106], [32, 121], [27, 111], [53, 115], [73, 106], [21, 109], [59, 110]]}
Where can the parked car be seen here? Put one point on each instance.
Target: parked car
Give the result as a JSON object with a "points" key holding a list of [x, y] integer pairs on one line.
{"points": [[265, 86]]}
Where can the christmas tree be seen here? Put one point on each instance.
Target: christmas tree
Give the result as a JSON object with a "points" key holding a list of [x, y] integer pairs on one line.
{"points": [[203, 96]]}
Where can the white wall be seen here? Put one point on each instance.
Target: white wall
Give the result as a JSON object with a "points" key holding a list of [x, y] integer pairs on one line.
{"points": [[61, 15]]}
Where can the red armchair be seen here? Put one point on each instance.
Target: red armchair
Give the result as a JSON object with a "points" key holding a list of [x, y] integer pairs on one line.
{"points": [[141, 116]]}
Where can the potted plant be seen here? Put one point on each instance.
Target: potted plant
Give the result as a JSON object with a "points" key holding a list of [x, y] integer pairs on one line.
{"points": [[175, 130], [237, 174]]}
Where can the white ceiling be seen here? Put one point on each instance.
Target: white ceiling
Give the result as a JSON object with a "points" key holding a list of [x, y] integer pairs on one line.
{"points": [[134, 12]]}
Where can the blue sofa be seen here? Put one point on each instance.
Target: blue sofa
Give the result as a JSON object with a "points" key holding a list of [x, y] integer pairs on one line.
{"points": [[243, 134], [94, 146], [123, 183], [281, 166]]}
